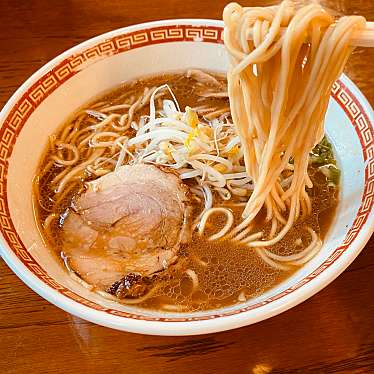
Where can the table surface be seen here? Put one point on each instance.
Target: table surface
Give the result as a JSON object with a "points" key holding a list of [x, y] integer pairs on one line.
{"points": [[332, 332]]}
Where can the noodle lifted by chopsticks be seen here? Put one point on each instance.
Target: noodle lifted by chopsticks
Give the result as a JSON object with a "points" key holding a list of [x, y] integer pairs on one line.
{"points": [[279, 85]]}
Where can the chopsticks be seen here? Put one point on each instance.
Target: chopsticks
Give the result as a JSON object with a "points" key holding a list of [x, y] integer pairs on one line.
{"points": [[364, 38]]}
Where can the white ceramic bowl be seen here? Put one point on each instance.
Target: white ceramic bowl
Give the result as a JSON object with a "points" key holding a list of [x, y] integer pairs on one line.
{"points": [[46, 99]]}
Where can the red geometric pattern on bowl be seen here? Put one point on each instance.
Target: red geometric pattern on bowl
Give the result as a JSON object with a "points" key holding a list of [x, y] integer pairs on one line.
{"points": [[124, 42]]}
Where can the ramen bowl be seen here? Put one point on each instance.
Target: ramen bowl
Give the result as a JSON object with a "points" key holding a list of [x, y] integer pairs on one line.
{"points": [[54, 92]]}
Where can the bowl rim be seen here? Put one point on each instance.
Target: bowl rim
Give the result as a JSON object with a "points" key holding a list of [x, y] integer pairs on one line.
{"points": [[187, 326]]}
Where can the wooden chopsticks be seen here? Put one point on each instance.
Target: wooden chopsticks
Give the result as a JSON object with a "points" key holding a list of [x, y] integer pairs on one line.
{"points": [[364, 38]]}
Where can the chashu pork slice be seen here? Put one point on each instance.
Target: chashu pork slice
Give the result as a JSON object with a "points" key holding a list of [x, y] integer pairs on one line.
{"points": [[129, 221]]}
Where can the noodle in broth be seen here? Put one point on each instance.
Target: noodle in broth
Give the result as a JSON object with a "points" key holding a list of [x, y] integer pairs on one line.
{"points": [[226, 273]]}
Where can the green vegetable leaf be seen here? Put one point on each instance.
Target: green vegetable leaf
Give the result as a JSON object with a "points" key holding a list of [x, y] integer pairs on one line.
{"points": [[322, 154], [322, 157], [332, 174]]}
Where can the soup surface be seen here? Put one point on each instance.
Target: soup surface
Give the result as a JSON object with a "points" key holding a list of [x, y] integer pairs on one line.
{"points": [[207, 274]]}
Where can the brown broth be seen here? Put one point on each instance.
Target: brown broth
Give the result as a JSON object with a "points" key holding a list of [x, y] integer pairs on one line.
{"points": [[234, 271], [228, 273]]}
